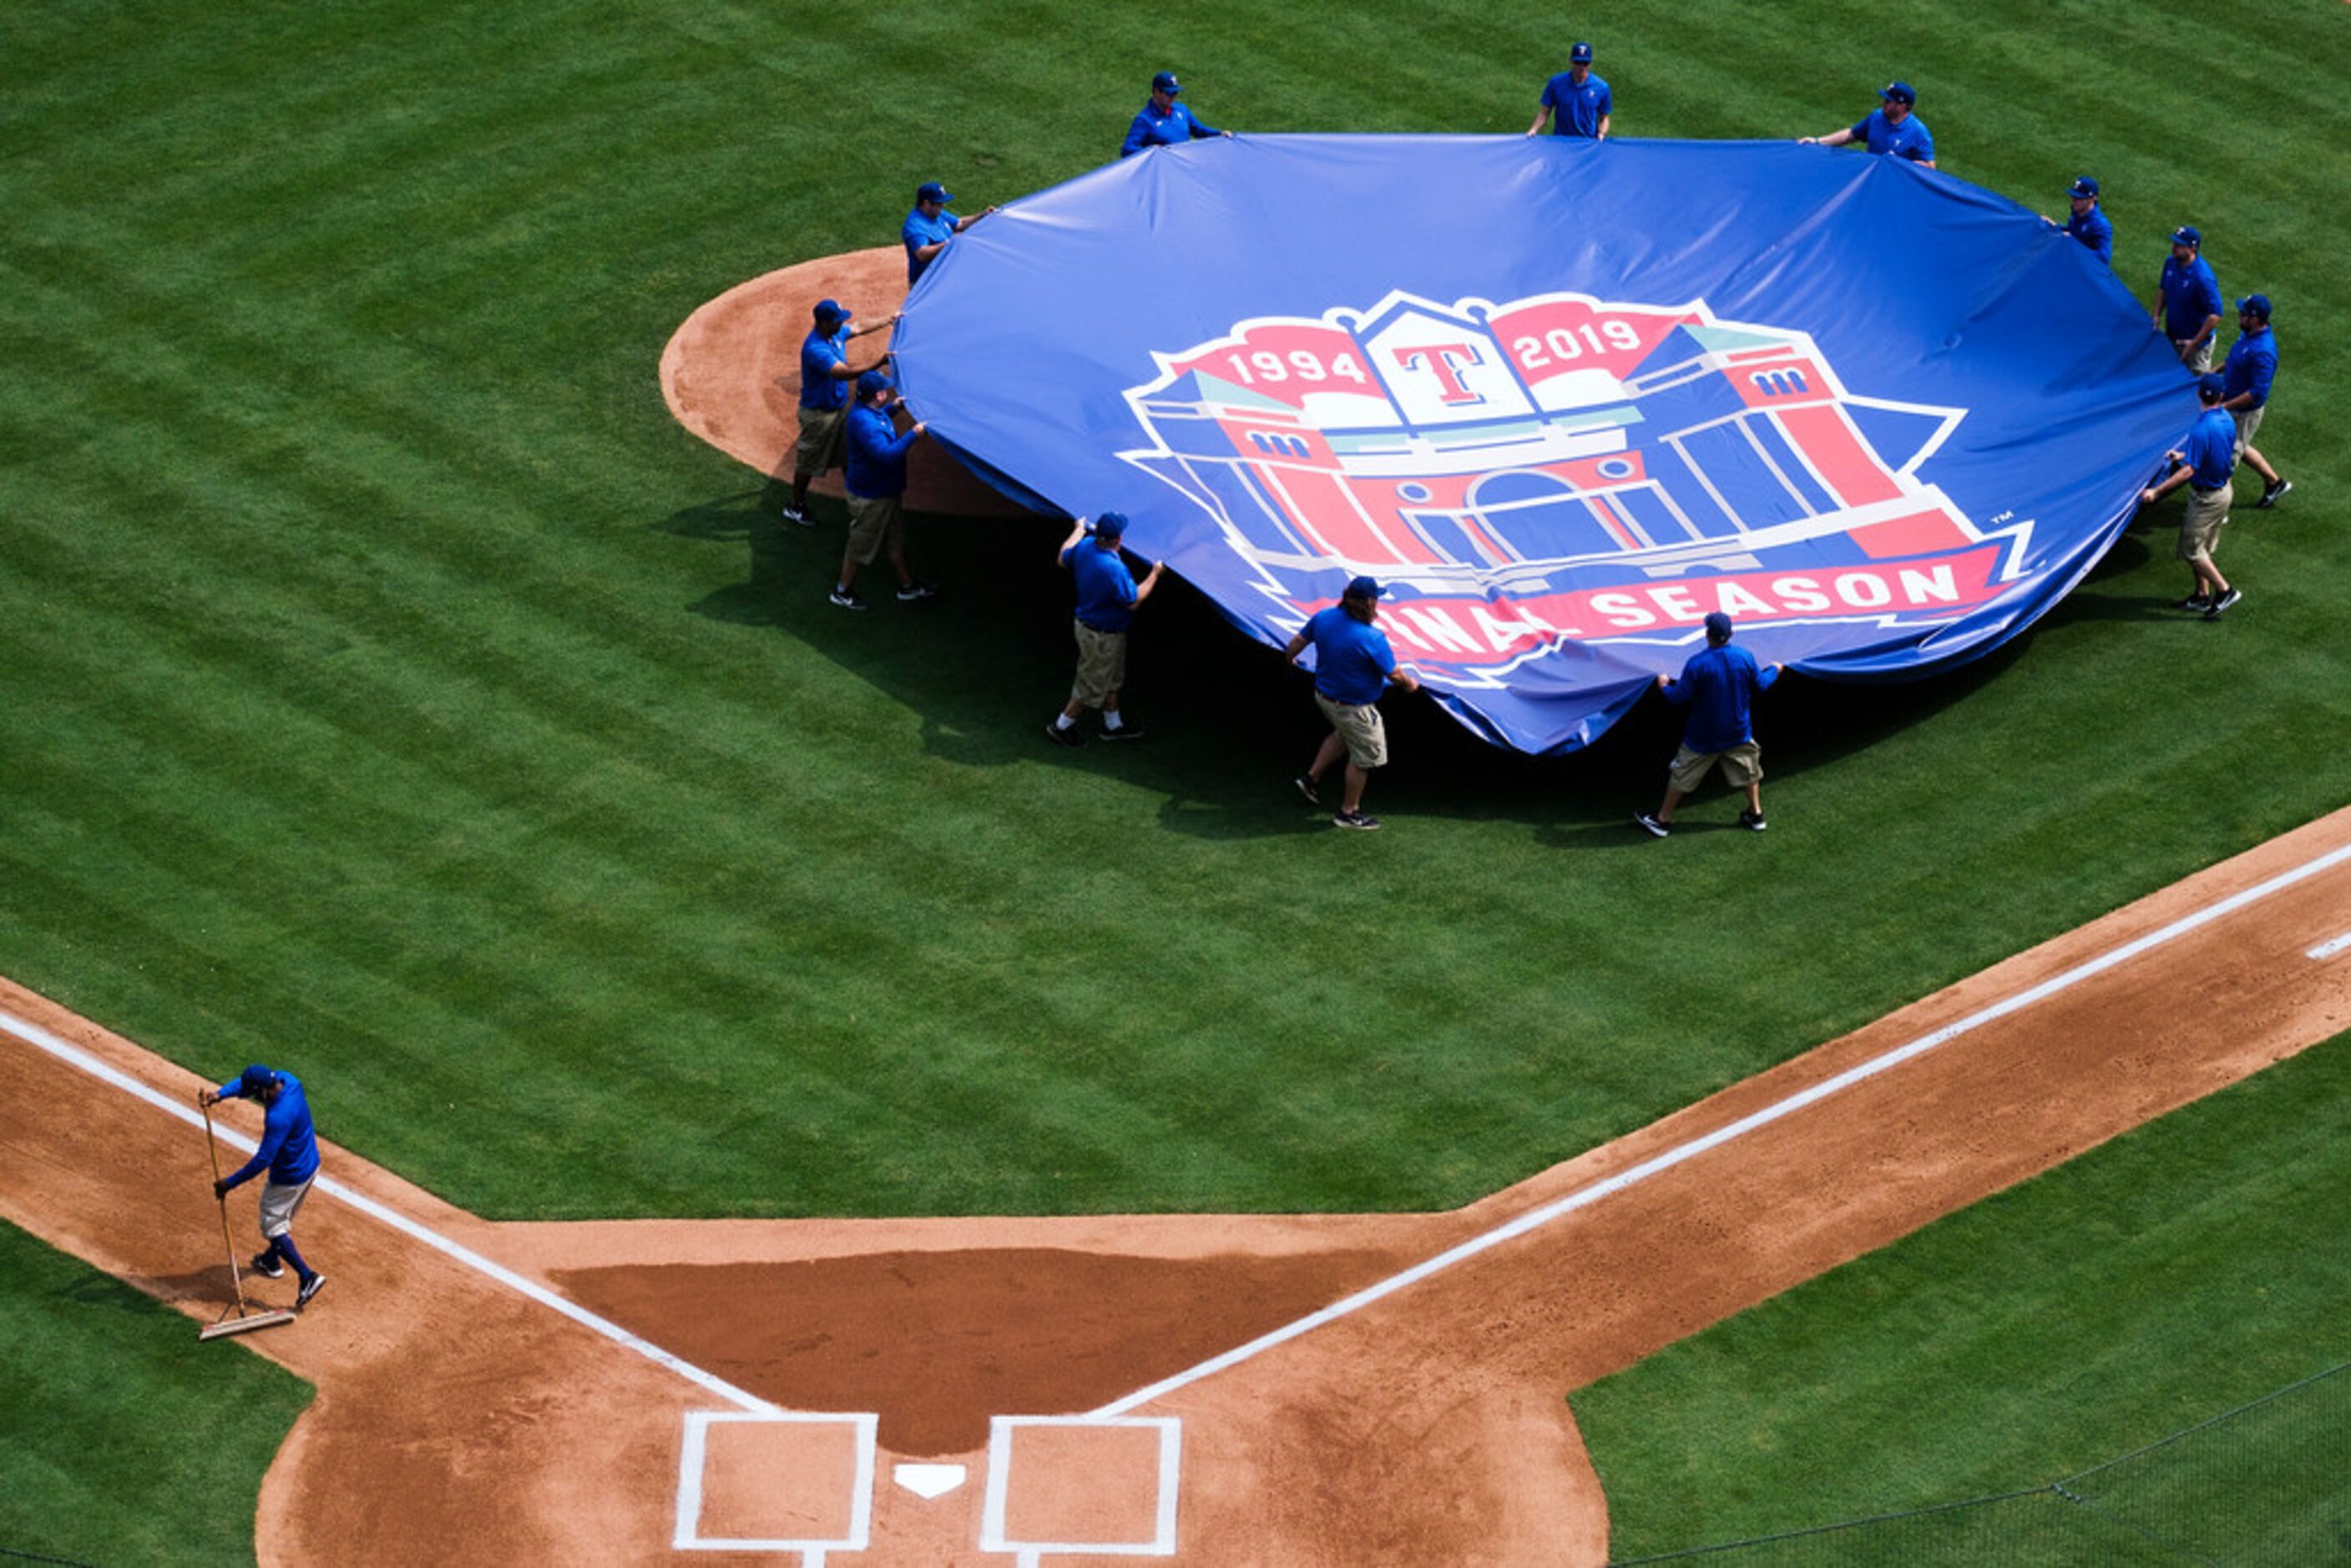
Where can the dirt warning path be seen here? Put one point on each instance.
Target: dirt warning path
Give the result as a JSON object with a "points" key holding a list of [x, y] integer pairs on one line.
{"points": [[1335, 1389]]}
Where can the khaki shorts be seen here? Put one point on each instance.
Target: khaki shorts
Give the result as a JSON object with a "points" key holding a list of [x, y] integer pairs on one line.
{"points": [[1742, 764], [825, 442], [1361, 728], [875, 521], [1102, 665], [2199, 529], [2199, 358], [279, 1204], [2248, 420]]}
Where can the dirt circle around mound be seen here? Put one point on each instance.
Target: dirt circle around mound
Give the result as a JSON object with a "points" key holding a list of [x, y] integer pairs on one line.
{"points": [[731, 374]]}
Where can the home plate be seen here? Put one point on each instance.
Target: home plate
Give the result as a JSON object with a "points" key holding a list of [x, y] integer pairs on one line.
{"points": [[928, 1480]]}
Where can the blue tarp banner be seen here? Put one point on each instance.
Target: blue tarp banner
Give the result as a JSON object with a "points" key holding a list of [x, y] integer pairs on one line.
{"points": [[1562, 398]]}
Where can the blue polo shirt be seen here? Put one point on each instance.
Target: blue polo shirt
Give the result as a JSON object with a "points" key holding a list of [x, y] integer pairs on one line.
{"points": [[919, 231], [2210, 449], [1152, 129], [1910, 140], [289, 1145], [1576, 108], [819, 355], [1105, 588], [1716, 686], [2190, 295], [2093, 229], [2252, 361], [1351, 661], [877, 454]]}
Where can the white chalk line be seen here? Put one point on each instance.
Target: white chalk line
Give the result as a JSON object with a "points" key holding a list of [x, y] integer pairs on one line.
{"points": [[74, 1056], [1585, 1197], [2326, 950]]}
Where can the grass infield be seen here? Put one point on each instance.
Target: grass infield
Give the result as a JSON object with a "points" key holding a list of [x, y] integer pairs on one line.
{"points": [[119, 1442], [397, 693]]}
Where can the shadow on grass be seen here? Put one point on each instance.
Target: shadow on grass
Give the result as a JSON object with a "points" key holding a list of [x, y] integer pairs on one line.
{"points": [[986, 663]]}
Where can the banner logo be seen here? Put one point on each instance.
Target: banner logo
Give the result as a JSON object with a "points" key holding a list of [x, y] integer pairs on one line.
{"points": [[1561, 467]]}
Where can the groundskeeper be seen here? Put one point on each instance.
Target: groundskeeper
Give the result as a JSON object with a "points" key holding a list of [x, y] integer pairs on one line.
{"points": [[289, 1153], [2207, 463], [1107, 596], [1352, 666], [1717, 685]]}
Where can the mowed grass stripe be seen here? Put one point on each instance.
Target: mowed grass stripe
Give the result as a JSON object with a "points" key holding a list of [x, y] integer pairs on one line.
{"points": [[190, 721], [398, 434]]}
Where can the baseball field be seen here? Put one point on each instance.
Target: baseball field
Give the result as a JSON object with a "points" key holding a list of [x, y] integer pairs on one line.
{"points": [[399, 694]]}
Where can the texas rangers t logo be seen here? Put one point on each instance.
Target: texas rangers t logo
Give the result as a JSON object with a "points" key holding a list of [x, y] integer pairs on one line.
{"points": [[1445, 361]]}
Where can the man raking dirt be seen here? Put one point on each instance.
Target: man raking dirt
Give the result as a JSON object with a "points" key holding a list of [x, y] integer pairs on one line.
{"points": [[288, 1152]]}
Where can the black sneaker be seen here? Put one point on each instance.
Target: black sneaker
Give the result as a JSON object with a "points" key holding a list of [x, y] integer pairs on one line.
{"points": [[914, 591], [2226, 599], [1752, 821], [2273, 494], [1358, 820], [797, 515], [2198, 601], [266, 1265], [1651, 825], [1123, 732], [310, 1287], [1307, 787], [1072, 736], [848, 598]]}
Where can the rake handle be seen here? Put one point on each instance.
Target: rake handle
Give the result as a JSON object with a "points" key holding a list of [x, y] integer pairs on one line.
{"points": [[211, 1148]]}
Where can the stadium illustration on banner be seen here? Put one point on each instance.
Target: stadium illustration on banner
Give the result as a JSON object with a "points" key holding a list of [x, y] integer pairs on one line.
{"points": [[1563, 467]]}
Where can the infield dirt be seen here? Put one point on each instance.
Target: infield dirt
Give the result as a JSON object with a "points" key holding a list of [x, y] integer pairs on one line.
{"points": [[459, 1421]]}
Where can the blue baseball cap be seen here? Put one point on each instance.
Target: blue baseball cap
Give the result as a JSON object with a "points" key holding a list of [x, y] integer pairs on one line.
{"points": [[2186, 235], [255, 1079], [1363, 588], [2211, 386], [830, 310], [2084, 186], [931, 190], [873, 381], [1166, 82], [1580, 55], [1111, 526], [2255, 304], [1718, 626], [1899, 92]]}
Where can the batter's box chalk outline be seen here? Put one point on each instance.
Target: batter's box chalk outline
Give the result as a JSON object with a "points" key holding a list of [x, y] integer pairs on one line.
{"points": [[1162, 1543], [694, 1452]]}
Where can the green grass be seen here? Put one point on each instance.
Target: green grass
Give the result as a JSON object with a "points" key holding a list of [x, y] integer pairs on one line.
{"points": [[2166, 1277], [121, 1440], [396, 692]]}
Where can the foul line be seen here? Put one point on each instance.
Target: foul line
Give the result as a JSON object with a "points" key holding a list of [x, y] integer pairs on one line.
{"points": [[1585, 1197], [2326, 950], [74, 1056]]}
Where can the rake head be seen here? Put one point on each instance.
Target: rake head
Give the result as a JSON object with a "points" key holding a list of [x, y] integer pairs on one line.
{"points": [[240, 1325]]}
